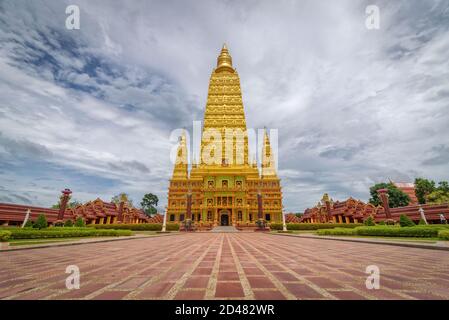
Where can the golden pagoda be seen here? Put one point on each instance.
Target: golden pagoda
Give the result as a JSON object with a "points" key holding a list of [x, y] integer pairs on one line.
{"points": [[224, 187]]}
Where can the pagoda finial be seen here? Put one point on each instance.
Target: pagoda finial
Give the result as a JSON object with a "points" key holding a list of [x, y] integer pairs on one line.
{"points": [[224, 60]]}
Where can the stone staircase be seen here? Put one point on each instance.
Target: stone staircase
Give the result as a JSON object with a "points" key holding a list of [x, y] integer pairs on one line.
{"points": [[224, 229]]}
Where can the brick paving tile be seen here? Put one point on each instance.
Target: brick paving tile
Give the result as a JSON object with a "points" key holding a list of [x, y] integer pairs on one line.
{"points": [[347, 295], [34, 295], [229, 290], [203, 271], [111, 295], [222, 276], [157, 290], [83, 291], [253, 272], [303, 291], [324, 282], [190, 295], [220, 266], [269, 295], [132, 283], [197, 282], [260, 282], [284, 276]]}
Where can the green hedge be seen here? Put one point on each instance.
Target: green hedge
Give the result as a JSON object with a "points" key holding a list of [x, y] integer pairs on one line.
{"points": [[417, 231], [135, 227], [66, 233], [430, 231], [138, 227], [443, 234], [276, 226], [318, 226], [336, 232], [4, 235]]}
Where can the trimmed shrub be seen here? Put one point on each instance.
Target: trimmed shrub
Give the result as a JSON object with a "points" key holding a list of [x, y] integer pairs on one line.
{"points": [[172, 227], [422, 222], [80, 222], [4, 235], [134, 227], [381, 223], [405, 221], [68, 223], [276, 226], [41, 222], [369, 222], [443, 234], [336, 232], [137, 227], [318, 226], [417, 231], [67, 233], [29, 224]]}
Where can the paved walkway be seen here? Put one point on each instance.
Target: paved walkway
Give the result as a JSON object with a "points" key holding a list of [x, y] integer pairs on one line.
{"points": [[225, 266]]}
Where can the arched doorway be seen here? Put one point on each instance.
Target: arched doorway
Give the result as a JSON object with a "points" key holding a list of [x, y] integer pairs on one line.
{"points": [[224, 218]]}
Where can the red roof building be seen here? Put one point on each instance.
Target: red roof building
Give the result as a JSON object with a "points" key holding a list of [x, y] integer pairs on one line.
{"points": [[93, 212]]}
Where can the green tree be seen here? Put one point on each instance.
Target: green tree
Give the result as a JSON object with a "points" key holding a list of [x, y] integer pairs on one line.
{"points": [[28, 224], [68, 223], [438, 197], [70, 204], [117, 198], [41, 222], [79, 223], [397, 198], [443, 186], [149, 204], [423, 187], [405, 221], [369, 222]]}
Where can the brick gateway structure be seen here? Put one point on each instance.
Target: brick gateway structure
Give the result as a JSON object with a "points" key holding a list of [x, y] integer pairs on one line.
{"points": [[356, 211], [93, 212]]}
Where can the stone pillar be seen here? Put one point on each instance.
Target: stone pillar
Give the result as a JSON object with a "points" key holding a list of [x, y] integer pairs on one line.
{"points": [[422, 214], [328, 210], [259, 206], [27, 217], [383, 195], [284, 225], [164, 223], [63, 205], [120, 211], [189, 206]]}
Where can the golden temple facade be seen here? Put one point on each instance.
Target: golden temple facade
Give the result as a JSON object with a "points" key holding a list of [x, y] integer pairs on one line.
{"points": [[224, 187]]}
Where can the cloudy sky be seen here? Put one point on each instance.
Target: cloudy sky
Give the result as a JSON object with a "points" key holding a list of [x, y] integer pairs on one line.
{"points": [[93, 109]]}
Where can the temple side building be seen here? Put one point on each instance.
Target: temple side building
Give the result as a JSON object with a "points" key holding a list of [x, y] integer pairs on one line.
{"points": [[92, 212], [357, 211], [224, 187]]}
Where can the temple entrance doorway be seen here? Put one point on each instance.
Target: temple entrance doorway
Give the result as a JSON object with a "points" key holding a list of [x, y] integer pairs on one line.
{"points": [[224, 219]]}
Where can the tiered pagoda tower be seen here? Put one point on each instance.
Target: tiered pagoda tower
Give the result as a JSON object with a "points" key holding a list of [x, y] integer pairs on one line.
{"points": [[224, 187]]}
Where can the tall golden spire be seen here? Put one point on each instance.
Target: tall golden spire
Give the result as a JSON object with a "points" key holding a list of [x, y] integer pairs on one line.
{"points": [[180, 170], [268, 165], [224, 116]]}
